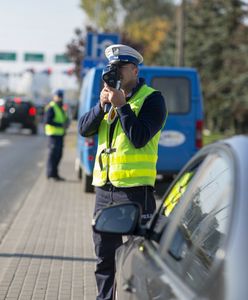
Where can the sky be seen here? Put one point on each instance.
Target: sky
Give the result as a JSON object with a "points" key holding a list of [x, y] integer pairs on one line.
{"points": [[43, 26], [38, 25]]}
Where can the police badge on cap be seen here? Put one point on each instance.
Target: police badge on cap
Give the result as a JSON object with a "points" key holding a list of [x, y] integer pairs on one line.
{"points": [[116, 51], [119, 52]]}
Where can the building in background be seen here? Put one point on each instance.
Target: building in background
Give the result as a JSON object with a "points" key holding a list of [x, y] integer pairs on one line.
{"points": [[37, 75]]}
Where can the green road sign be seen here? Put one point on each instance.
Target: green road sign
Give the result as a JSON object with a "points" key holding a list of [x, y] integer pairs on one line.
{"points": [[61, 58], [8, 56], [34, 57]]}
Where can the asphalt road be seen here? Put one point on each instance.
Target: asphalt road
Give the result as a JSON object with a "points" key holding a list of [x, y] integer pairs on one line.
{"points": [[21, 157]]}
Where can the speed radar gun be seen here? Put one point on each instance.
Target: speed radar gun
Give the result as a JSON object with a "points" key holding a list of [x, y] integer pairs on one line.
{"points": [[111, 76]]}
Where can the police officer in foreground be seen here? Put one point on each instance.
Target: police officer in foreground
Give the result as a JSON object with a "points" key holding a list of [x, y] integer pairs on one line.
{"points": [[56, 122], [125, 163]]}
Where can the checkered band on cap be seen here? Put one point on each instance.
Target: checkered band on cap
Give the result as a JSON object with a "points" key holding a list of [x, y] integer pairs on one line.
{"points": [[119, 52]]}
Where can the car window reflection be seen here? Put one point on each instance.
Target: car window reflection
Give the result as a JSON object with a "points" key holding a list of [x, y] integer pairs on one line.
{"points": [[202, 229], [172, 199], [176, 193]]}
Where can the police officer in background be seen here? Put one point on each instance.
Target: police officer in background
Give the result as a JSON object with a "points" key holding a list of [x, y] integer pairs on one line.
{"points": [[125, 163], [56, 122]]}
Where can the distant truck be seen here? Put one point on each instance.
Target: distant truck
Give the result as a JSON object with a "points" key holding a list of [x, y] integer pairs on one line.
{"points": [[181, 137]]}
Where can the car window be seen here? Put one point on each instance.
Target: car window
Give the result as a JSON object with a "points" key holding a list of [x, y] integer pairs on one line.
{"points": [[173, 198], [20, 106], [195, 240], [176, 92]]}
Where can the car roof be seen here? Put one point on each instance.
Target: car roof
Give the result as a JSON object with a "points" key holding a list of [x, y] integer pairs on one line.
{"points": [[238, 143], [22, 98]]}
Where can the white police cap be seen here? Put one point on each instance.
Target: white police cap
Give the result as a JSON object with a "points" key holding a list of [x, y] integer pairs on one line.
{"points": [[123, 53]]}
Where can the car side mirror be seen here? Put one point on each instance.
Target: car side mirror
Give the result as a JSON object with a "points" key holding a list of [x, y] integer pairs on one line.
{"points": [[117, 219]]}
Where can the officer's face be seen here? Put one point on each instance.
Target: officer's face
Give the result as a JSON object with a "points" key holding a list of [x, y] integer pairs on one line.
{"points": [[128, 74], [58, 99]]}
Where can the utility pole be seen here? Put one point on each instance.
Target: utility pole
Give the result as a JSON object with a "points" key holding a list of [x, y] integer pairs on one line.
{"points": [[180, 34], [97, 15]]}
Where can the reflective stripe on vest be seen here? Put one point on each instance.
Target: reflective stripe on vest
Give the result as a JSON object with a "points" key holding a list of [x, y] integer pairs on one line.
{"points": [[123, 164], [59, 117]]}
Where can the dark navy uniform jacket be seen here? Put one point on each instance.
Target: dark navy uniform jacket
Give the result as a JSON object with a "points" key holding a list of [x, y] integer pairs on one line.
{"points": [[139, 129]]}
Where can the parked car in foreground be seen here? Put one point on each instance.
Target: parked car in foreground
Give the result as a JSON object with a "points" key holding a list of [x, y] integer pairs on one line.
{"points": [[196, 245], [20, 110]]}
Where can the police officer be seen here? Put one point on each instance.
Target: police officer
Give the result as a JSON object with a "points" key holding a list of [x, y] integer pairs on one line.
{"points": [[125, 163], [56, 123]]}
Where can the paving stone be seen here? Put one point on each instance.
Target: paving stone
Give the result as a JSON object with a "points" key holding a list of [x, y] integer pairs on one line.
{"points": [[47, 250]]}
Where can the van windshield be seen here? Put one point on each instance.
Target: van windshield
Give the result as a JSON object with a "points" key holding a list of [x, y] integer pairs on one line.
{"points": [[176, 92]]}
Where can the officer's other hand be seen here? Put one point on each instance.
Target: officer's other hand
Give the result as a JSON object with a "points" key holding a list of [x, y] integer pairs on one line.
{"points": [[116, 97], [104, 97]]}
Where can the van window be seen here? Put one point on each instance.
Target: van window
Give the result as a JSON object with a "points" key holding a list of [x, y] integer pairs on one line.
{"points": [[176, 92]]}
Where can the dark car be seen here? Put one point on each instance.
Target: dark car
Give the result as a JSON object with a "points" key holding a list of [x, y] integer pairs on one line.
{"points": [[19, 110], [196, 245]]}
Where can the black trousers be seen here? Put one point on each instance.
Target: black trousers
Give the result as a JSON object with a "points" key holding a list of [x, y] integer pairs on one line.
{"points": [[106, 244], [55, 151]]}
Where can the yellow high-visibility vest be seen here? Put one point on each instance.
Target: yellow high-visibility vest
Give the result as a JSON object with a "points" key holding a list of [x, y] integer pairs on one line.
{"points": [[122, 164], [59, 117]]}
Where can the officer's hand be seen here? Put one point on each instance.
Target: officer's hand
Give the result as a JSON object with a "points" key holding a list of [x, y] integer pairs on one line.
{"points": [[104, 97], [116, 97]]}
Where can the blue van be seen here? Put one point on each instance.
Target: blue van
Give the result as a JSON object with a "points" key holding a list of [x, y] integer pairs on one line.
{"points": [[180, 139]]}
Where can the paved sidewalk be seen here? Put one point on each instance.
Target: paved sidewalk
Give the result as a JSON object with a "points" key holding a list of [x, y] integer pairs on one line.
{"points": [[47, 252]]}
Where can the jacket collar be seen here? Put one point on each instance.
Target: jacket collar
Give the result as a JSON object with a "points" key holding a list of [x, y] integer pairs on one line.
{"points": [[136, 88]]}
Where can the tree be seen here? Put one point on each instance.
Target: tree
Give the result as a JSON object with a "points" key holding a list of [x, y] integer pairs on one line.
{"points": [[214, 41], [148, 22], [146, 9], [103, 14], [137, 15], [215, 44], [75, 51], [156, 29]]}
